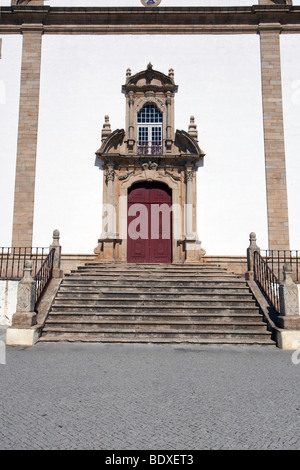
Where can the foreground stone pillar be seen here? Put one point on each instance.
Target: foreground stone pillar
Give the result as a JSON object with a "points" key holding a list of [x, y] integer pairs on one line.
{"points": [[23, 331], [56, 271], [278, 224], [27, 137], [25, 315], [250, 256], [289, 300], [289, 320]]}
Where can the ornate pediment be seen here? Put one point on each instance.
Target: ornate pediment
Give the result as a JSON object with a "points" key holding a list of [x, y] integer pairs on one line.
{"points": [[150, 79], [186, 144], [112, 143]]}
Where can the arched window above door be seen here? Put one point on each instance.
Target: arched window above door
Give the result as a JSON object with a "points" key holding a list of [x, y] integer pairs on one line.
{"points": [[150, 130]]}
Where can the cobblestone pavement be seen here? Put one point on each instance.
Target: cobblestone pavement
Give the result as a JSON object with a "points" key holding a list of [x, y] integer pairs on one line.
{"points": [[148, 397]]}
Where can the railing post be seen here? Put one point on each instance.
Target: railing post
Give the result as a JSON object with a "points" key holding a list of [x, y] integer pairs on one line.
{"points": [[249, 275], [25, 315], [289, 300], [56, 272], [288, 337]]}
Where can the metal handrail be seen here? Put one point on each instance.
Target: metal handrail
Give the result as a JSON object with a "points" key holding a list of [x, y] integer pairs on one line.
{"points": [[12, 260], [43, 276], [277, 258], [267, 281]]}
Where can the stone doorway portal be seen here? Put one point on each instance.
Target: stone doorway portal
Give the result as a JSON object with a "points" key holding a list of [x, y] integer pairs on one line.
{"points": [[149, 237]]}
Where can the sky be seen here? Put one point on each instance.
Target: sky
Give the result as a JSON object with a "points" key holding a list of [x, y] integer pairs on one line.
{"points": [[219, 83]]}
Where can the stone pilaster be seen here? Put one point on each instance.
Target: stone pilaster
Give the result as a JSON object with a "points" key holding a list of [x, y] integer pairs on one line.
{"points": [[192, 246], [189, 175], [27, 137], [276, 187]]}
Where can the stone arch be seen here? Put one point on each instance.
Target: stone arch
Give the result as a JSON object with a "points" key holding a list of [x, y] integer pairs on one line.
{"points": [[150, 100]]}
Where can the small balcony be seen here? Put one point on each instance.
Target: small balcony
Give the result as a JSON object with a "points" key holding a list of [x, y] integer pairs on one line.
{"points": [[149, 148]]}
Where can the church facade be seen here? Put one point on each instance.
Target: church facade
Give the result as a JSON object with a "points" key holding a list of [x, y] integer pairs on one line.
{"points": [[149, 167], [146, 151], [149, 178]]}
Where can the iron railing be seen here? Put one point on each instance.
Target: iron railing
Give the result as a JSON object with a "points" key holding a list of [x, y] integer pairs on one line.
{"points": [[267, 281], [12, 261], [277, 258], [43, 276], [149, 148]]}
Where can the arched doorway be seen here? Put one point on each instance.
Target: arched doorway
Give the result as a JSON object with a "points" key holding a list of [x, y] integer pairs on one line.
{"points": [[149, 222]]}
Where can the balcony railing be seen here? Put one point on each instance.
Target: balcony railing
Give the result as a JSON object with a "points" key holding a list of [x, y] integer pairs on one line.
{"points": [[149, 148]]}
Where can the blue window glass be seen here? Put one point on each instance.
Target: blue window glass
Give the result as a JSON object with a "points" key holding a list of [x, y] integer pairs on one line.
{"points": [[149, 114]]}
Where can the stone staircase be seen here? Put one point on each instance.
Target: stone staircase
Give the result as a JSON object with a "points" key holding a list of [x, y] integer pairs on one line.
{"points": [[155, 303]]}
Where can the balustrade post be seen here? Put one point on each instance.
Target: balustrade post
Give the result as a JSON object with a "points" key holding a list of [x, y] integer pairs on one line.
{"points": [[25, 315], [289, 300], [249, 275], [56, 272], [288, 337]]}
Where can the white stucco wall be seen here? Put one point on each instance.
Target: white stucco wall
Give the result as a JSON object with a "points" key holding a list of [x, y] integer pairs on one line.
{"points": [[8, 301], [219, 83], [10, 67]]}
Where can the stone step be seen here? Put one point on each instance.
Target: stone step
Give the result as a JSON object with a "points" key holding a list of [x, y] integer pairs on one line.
{"points": [[152, 266], [157, 317], [140, 295], [154, 276], [101, 325], [116, 302], [69, 337], [156, 290], [156, 272], [98, 309], [150, 302], [157, 333], [155, 283]]}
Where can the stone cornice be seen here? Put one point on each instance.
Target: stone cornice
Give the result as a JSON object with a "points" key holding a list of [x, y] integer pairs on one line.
{"points": [[172, 20]]}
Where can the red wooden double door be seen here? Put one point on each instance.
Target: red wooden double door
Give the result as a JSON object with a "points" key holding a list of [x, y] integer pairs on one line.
{"points": [[149, 222]]}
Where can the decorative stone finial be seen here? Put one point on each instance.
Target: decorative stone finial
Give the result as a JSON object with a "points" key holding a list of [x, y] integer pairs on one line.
{"points": [[28, 265], [56, 234], [106, 130], [171, 73], [287, 273], [149, 73], [128, 73], [193, 128]]}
